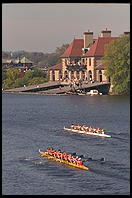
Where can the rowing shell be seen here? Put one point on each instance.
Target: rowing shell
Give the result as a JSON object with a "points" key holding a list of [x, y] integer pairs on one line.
{"points": [[88, 133], [42, 153]]}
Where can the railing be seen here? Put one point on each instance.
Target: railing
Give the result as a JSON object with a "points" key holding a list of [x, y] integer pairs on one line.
{"points": [[76, 67]]}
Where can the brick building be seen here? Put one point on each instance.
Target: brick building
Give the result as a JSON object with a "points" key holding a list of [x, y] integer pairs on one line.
{"points": [[82, 59]]}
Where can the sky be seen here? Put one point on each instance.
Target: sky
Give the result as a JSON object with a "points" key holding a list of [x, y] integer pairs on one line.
{"points": [[42, 27]]}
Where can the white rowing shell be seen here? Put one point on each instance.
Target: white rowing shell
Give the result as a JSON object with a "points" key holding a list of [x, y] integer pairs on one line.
{"points": [[88, 133]]}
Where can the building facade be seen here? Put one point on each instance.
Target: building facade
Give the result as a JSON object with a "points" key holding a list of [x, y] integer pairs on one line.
{"points": [[82, 59]]}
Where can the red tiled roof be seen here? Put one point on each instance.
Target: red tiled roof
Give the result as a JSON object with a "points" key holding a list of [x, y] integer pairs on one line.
{"points": [[56, 67], [97, 49], [74, 49], [101, 66]]}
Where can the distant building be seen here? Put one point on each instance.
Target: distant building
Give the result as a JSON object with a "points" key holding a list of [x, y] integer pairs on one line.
{"points": [[82, 59], [23, 63]]}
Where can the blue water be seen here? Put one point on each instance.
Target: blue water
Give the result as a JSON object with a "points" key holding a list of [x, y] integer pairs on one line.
{"points": [[30, 122]]}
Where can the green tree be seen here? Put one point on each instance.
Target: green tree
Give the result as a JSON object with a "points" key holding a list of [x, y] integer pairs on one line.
{"points": [[20, 82], [117, 61], [13, 74], [4, 76]]}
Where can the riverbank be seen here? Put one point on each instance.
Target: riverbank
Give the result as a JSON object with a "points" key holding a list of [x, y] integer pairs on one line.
{"points": [[38, 93]]}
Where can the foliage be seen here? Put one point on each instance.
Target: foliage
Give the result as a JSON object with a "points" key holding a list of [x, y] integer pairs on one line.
{"points": [[19, 82], [13, 74], [4, 76], [117, 61], [14, 79], [36, 81]]}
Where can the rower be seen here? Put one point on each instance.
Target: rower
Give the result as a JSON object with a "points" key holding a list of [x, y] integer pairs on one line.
{"points": [[102, 131], [78, 127], [79, 162], [86, 129], [94, 131], [69, 158], [72, 126]]}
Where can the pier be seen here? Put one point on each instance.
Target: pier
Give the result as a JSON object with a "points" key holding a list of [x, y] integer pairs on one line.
{"points": [[60, 88]]}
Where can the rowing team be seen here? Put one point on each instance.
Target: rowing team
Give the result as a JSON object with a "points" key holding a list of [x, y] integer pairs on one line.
{"points": [[64, 156], [85, 128]]}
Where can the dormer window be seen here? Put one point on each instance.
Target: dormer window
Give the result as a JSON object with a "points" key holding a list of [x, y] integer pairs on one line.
{"points": [[84, 50]]}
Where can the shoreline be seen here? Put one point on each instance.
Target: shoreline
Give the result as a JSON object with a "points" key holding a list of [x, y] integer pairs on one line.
{"points": [[37, 93]]}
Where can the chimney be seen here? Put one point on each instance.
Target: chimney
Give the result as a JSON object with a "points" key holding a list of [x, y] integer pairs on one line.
{"points": [[88, 38], [106, 33]]}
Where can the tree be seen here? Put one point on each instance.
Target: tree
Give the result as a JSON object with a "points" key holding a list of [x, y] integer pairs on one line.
{"points": [[117, 61], [13, 74]]}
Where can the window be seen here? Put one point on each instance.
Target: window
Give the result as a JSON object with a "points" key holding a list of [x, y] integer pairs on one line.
{"points": [[83, 60], [89, 61]]}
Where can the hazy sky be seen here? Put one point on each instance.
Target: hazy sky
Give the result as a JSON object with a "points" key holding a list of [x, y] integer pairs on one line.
{"points": [[43, 27]]}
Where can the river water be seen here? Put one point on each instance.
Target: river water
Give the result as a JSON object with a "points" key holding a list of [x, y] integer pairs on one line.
{"points": [[30, 122]]}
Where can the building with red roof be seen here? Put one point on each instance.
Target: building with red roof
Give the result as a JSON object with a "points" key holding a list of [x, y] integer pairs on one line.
{"points": [[74, 49], [82, 59]]}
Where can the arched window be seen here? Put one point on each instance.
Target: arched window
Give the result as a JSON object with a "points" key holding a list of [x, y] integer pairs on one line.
{"points": [[77, 74], [83, 75], [66, 74], [89, 61], [89, 75], [72, 75]]}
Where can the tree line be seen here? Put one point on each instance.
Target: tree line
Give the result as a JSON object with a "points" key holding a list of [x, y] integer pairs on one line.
{"points": [[117, 60], [13, 78], [38, 58]]}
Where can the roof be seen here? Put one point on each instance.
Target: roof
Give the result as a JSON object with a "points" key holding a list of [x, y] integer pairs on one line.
{"points": [[101, 66], [56, 67], [74, 49], [25, 60], [97, 49]]}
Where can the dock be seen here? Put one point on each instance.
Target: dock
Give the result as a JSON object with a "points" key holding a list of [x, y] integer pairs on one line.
{"points": [[59, 88]]}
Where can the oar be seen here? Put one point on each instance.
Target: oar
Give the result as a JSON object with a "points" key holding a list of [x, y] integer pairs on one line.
{"points": [[102, 159], [81, 156]]}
